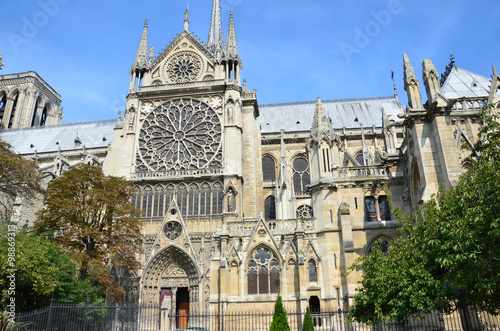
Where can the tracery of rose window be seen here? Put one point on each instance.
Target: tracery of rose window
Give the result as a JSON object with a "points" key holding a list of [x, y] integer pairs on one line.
{"points": [[180, 134]]}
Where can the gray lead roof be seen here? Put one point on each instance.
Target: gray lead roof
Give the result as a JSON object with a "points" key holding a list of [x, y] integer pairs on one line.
{"points": [[298, 116], [463, 83], [94, 134]]}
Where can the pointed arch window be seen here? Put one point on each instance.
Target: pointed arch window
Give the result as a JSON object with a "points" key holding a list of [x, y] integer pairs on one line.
{"points": [[270, 208], [217, 199], [268, 169], [205, 199], [301, 176], [383, 242], [194, 199], [147, 202], [313, 272], [182, 198], [359, 159], [158, 202], [263, 273]]}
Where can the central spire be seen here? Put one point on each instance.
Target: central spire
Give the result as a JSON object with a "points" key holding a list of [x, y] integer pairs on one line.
{"points": [[215, 38]]}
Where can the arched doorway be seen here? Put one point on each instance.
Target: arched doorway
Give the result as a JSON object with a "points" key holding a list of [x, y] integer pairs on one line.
{"points": [[171, 279]]}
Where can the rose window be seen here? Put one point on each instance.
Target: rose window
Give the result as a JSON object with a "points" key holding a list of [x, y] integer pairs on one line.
{"points": [[304, 211], [180, 134], [184, 67], [172, 230]]}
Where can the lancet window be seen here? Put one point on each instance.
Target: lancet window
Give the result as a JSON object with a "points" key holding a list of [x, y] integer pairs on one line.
{"points": [[301, 176], [270, 208], [268, 169], [263, 273], [195, 199], [313, 272]]}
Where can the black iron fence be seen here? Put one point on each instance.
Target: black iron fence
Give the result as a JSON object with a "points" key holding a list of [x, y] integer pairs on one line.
{"points": [[70, 317]]}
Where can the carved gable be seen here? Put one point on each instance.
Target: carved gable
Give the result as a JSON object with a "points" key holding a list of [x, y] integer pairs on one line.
{"points": [[184, 60]]}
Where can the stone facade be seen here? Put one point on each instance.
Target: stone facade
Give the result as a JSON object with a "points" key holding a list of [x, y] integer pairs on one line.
{"points": [[242, 200]]}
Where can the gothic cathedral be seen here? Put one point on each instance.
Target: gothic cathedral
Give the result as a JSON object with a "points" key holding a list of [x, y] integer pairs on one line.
{"points": [[242, 200]]}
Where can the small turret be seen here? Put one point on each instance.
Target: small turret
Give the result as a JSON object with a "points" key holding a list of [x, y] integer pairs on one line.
{"points": [[141, 63], [430, 77], [412, 85], [231, 43], [141, 58], [321, 122]]}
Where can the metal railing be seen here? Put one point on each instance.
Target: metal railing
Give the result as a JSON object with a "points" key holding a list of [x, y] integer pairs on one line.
{"points": [[71, 317]]}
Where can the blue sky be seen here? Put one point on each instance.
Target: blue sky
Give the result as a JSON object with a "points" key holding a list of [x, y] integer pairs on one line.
{"points": [[291, 50]]}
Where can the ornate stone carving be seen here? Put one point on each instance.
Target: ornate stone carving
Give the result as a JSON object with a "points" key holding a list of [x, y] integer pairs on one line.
{"points": [[184, 67], [304, 211], [172, 230], [180, 134], [175, 270]]}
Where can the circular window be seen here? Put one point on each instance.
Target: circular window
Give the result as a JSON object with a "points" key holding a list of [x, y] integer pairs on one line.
{"points": [[172, 230], [183, 67], [180, 134]]}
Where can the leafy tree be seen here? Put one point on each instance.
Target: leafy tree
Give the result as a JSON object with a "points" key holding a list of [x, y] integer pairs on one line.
{"points": [[18, 178], [308, 324], [448, 256], [90, 216], [41, 271], [280, 320]]}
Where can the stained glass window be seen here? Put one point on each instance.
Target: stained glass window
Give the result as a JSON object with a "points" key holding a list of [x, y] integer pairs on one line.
{"points": [[270, 208], [268, 169], [263, 274], [301, 176]]}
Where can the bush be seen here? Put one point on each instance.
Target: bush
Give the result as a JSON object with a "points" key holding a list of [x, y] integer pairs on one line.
{"points": [[280, 321], [308, 321]]}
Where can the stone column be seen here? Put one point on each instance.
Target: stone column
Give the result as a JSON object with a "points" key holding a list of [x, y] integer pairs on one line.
{"points": [[166, 306], [7, 113], [19, 109]]}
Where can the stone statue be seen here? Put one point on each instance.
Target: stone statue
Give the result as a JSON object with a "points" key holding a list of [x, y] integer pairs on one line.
{"points": [[151, 53], [1, 62]]}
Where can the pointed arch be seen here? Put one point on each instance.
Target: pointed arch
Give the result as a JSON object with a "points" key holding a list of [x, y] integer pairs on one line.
{"points": [[263, 271], [382, 239], [301, 176], [268, 168], [270, 208], [312, 270], [159, 263]]}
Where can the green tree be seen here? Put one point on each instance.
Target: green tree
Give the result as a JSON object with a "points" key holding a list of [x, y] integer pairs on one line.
{"points": [[19, 177], [280, 320], [448, 256], [90, 216], [308, 324], [41, 271]]}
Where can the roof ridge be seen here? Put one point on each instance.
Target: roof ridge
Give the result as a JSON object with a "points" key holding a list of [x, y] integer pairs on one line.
{"points": [[388, 97], [111, 120]]}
